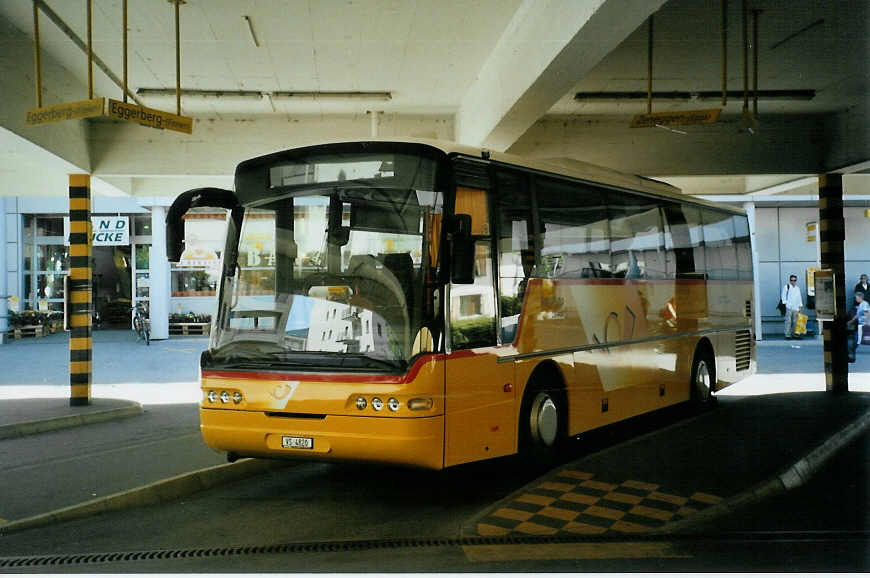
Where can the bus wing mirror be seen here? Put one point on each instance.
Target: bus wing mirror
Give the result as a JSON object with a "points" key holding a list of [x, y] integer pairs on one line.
{"points": [[204, 197], [462, 250]]}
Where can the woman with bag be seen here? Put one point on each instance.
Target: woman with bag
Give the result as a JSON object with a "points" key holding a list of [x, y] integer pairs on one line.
{"points": [[793, 302]]}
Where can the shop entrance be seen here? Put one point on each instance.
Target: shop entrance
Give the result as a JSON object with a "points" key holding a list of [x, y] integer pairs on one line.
{"points": [[112, 283]]}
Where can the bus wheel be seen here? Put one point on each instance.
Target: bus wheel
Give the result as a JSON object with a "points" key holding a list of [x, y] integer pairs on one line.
{"points": [[703, 374], [541, 423]]}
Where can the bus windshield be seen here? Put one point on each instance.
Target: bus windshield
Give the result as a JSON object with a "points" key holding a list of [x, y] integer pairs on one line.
{"points": [[332, 277]]}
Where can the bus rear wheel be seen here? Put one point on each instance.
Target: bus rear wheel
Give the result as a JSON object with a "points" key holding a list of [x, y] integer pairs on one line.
{"points": [[703, 376]]}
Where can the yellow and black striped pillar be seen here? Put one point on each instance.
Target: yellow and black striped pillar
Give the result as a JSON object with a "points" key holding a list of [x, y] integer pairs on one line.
{"points": [[79, 300], [832, 229]]}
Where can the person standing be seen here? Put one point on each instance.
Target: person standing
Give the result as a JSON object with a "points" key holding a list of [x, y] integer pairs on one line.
{"points": [[791, 296], [863, 286]]}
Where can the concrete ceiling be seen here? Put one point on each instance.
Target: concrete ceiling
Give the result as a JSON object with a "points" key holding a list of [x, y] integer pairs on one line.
{"points": [[500, 74]]}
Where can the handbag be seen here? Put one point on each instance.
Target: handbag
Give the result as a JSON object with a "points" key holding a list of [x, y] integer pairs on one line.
{"points": [[781, 307]]}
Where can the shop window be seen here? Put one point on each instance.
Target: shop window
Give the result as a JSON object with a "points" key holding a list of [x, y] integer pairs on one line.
{"points": [[201, 282], [49, 227], [52, 257], [142, 256], [141, 225]]}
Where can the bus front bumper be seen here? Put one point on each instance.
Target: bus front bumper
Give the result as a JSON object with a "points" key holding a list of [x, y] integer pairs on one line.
{"points": [[409, 441]]}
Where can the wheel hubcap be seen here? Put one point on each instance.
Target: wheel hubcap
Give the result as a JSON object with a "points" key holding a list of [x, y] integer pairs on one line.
{"points": [[702, 381], [544, 420]]}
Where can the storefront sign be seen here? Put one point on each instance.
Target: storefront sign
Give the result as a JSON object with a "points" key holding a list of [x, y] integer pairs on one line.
{"points": [[105, 231], [676, 118], [66, 111], [110, 231], [149, 116]]}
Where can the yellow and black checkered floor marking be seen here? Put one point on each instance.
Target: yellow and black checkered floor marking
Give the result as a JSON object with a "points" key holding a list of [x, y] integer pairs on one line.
{"points": [[575, 503]]}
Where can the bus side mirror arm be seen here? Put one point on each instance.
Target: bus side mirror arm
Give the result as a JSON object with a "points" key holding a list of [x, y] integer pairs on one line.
{"points": [[461, 250], [204, 197]]}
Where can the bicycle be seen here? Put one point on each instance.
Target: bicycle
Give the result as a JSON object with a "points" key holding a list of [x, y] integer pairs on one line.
{"points": [[141, 324]]}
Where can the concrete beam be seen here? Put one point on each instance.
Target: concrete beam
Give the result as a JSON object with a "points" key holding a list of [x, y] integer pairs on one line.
{"points": [[218, 145], [783, 145], [67, 139], [546, 49]]}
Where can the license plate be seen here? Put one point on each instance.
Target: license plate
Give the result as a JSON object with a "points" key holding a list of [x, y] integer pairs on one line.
{"points": [[297, 443]]}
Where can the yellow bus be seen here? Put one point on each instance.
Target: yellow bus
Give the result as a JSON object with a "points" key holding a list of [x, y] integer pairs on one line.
{"points": [[430, 304]]}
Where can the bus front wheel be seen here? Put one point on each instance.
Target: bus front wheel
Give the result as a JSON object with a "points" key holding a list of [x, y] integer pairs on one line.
{"points": [[541, 422]]}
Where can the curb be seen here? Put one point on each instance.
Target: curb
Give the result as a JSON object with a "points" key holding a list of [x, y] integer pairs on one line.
{"points": [[27, 428], [792, 477], [155, 493]]}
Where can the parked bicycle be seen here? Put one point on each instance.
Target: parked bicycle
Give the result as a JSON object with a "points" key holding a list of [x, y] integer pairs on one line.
{"points": [[141, 323]]}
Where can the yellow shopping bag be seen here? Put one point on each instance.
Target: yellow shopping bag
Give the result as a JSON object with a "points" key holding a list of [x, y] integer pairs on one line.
{"points": [[800, 324]]}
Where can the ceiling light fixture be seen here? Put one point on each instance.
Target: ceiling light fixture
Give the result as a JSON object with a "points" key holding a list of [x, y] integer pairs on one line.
{"points": [[258, 94], [204, 94], [683, 95], [337, 94]]}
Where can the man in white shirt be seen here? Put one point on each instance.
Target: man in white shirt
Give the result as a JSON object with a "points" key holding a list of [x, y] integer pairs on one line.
{"points": [[791, 296]]}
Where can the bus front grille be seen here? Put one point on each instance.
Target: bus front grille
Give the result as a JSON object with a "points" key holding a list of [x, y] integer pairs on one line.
{"points": [[748, 310], [742, 349]]}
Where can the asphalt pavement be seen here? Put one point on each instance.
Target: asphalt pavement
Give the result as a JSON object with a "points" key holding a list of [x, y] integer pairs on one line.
{"points": [[139, 443]]}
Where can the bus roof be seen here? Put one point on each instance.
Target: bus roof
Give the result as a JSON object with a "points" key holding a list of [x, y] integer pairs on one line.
{"points": [[562, 166]]}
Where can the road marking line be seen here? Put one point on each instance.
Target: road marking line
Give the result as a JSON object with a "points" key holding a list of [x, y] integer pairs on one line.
{"points": [[623, 498], [669, 498], [579, 498], [580, 551], [596, 485], [640, 485], [705, 498], [607, 513], [654, 513], [511, 514], [536, 499], [559, 513], [537, 529]]}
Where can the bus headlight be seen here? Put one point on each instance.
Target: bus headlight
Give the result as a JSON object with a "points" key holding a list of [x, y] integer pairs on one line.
{"points": [[361, 403], [213, 396], [420, 403], [377, 404], [237, 397], [393, 404], [225, 397]]}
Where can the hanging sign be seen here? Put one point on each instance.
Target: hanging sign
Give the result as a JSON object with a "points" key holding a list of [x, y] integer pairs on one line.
{"points": [[149, 116], [66, 111], [676, 118]]}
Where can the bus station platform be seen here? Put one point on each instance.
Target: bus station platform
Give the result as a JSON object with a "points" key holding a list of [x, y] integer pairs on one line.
{"points": [[765, 436]]}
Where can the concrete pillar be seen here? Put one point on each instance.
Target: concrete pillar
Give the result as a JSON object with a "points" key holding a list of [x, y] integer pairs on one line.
{"points": [[749, 207], [832, 230], [80, 299], [159, 276], [4, 275]]}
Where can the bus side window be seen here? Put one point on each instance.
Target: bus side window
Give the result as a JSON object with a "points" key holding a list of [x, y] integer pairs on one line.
{"points": [[575, 241], [719, 248], [516, 256], [683, 242], [636, 243]]}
